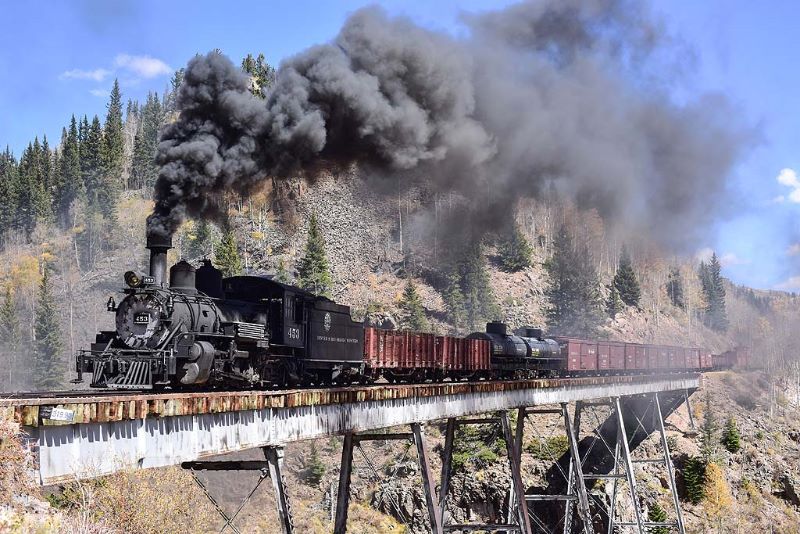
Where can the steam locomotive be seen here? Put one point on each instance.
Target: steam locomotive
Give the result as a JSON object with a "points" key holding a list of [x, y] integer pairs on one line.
{"points": [[203, 330]]}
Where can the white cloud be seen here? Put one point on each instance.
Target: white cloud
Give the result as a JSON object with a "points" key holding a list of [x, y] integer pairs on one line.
{"points": [[726, 260], [704, 254], [97, 75], [788, 177], [793, 250], [144, 66], [102, 93], [792, 284]]}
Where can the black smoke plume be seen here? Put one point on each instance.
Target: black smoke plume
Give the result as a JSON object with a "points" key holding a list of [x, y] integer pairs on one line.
{"points": [[571, 93]]}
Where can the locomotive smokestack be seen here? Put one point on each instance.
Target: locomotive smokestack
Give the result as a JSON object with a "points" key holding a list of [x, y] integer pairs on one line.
{"points": [[158, 245]]}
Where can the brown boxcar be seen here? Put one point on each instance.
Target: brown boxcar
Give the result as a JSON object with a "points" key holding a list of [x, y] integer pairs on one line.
{"points": [[588, 356], [641, 357], [616, 356], [693, 358], [571, 351], [603, 355]]}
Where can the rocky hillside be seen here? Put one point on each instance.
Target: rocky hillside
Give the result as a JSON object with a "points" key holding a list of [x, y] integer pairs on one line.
{"points": [[363, 230]]}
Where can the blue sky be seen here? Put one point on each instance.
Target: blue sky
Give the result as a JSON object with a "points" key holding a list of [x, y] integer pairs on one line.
{"points": [[62, 58]]}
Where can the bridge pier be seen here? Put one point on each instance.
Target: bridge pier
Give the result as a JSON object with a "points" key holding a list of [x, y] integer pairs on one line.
{"points": [[271, 468]]}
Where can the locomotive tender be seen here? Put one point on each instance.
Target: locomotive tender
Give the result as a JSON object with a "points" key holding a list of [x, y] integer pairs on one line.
{"points": [[201, 330]]}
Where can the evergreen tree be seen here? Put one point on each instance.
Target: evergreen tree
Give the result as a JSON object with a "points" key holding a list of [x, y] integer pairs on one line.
{"points": [[9, 186], [413, 311], [574, 301], [657, 514], [515, 252], [675, 288], [47, 348], [454, 299], [113, 136], [92, 152], [227, 257], [32, 202], [171, 96], [281, 274], [313, 267], [625, 280], [262, 75], [708, 431], [476, 287], [9, 337], [716, 316], [694, 479], [71, 186], [201, 240], [731, 439], [614, 303], [143, 168], [316, 468]]}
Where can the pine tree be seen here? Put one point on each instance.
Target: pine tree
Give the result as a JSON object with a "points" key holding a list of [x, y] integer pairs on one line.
{"points": [[9, 337], [47, 348], [92, 153], [708, 431], [479, 299], [675, 288], [717, 316], [262, 75], [657, 514], [413, 311], [454, 299], [316, 468], [143, 168], [71, 187], [281, 274], [201, 240], [227, 257], [694, 479], [625, 280], [113, 136], [574, 301], [515, 252], [614, 303], [731, 439], [313, 267], [9, 186]]}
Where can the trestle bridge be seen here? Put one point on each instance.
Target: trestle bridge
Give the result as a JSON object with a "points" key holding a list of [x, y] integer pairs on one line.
{"points": [[88, 434]]}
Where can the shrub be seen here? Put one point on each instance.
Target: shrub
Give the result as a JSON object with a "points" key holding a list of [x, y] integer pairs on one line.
{"points": [[657, 515], [731, 439], [548, 449], [694, 478]]}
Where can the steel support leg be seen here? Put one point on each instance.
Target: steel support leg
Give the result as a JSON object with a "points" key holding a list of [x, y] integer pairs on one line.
{"points": [[427, 480], [447, 465], [275, 458], [568, 504], [689, 408], [516, 475], [611, 508], [626, 456], [343, 497], [668, 462], [577, 473]]}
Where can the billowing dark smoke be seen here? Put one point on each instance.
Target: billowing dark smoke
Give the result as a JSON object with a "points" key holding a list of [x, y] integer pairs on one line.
{"points": [[562, 92]]}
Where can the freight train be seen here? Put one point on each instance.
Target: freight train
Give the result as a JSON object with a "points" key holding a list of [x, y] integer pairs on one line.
{"points": [[203, 330]]}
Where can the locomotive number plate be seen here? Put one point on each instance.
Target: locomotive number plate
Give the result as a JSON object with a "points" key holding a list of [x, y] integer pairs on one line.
{"points": [[141, 318]]}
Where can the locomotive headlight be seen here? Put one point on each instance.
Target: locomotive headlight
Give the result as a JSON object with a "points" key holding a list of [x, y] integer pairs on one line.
{"points": [[132, 279]]}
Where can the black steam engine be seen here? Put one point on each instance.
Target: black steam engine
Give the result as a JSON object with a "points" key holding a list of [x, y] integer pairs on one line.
{"points": [[246, 331]]}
